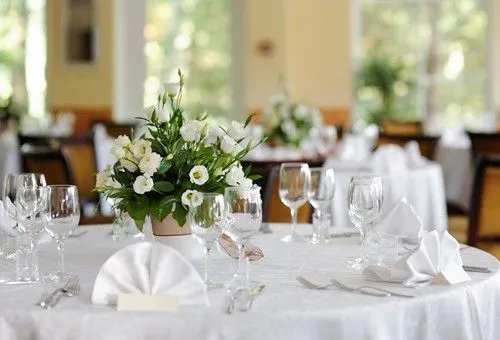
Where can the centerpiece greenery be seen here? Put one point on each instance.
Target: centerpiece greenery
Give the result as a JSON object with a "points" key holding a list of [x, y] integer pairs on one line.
{"points": [[165, 169], [287, 123]]}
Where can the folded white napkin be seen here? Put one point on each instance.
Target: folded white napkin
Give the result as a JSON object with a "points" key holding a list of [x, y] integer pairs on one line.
{"points": [[353, 148], [401, 220], [455, 137], [436, 260], [63, 126], [148, 268], [414, 158], [7, 224], [388, 158]]}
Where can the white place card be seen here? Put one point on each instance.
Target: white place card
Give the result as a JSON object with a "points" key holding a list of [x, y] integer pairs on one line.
{"points": [[146, 302], [451, 276]]}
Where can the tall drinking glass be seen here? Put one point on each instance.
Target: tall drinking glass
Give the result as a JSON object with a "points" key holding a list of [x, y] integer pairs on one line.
{"points": [[320, 194], [206, 226], [365, 197], [30, 203], [294, 182], [62, 214], [244, 217], [9, 219]]}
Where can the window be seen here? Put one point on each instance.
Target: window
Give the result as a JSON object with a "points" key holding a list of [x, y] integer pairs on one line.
{"points": [[22, 54], [432, 55], [195, 36]]}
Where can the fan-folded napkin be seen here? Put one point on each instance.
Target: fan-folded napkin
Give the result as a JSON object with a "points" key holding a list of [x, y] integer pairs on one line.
{"points": [[436, 260], [403, 221], [388, 157], [414, 158], [152, 269]]}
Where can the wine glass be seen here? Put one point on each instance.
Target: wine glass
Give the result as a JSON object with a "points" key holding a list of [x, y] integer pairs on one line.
{"points": [[294, 182], [320, 194], [206, 226], [365, 198], [244, 217], [62, 214], [10, 215], [30, 203]]}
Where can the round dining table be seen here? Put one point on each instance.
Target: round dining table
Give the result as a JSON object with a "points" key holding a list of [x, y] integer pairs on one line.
{"points": [[284, 310]]}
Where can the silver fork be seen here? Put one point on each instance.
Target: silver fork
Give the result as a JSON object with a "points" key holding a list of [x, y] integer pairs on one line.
{"points": [[340, 285], [363, 290], [71, 288]]}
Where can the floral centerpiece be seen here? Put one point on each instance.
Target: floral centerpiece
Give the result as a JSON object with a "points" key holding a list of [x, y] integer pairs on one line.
{"points": [[287, 123], [164, 170]]}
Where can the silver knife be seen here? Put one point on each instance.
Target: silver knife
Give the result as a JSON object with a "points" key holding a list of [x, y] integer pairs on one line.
{"points": [[474, 269]]}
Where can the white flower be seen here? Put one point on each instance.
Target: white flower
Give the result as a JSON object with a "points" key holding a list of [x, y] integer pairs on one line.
{"points": [[113, 183], [143, 184], [171, 89], [235, 176], [213, 133], [150, 163], [301, 111], [237, 149], [148, 111], [141, 148], [191, 131], [101, 178], [198, 175], [289, 128], [191, 198], [128, 164], [118, 152], [166, 113], [236, 130], [228, 144], [122, 141], [277, 99], [246, 183]]}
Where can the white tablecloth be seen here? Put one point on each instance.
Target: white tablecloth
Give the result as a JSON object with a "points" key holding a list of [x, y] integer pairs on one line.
{"points": [[457, 172], [285, 310], [423, 187]]}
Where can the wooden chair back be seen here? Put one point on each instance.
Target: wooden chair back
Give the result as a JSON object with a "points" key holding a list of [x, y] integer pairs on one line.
{"points": [[427, 144], [484, 144], [484, 212], [404, 128], [117, 129], [48, 161]]}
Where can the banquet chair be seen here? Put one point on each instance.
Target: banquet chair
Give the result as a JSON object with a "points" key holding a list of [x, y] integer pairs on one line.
{"points": [[427, 144], [484, 212], [403, 128], [484, 143], [116, 129], [52, 141]]}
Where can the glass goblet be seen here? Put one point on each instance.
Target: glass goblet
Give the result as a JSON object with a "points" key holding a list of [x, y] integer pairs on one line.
{"points": [[30, 203], [206, 226], [293, 186], [244, 217], [365, 197], [62, 214], [320, 194]]}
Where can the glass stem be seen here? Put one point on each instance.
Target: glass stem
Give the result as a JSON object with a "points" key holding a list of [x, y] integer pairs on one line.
{"points": [[60, 257], [363, 246], [241, 258], [293, 212], [208, 247]]}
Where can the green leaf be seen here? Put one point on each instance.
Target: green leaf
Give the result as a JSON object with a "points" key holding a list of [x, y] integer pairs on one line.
{"points": [[138, 210], [164, 186], [248, 120], [255, 177], [164, 167], [247, 170], [180, 214]]}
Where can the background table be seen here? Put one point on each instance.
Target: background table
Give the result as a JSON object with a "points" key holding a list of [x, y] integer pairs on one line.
{"points": [[423, 187], [285, 310]]}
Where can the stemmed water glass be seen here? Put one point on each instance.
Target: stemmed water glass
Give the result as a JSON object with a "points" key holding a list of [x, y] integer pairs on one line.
{"points": [[320, 194], [365, 197], [206, 226], [244, 217], [61, 214], [293, 186]]}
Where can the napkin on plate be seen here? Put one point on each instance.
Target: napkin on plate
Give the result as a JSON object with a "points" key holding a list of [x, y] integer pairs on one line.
{"points": [[436, 260], [414, 158], [388, 157], [403, 221], [252, 252], [148, 268]]}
